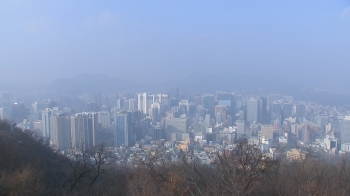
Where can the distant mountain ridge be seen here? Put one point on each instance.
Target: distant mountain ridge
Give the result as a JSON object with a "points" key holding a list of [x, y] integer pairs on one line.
{"points": [[234, 82], [253, 84], [86, 82], [10, 87]]}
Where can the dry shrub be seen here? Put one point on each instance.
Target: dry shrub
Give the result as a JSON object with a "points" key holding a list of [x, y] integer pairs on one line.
{"points": [[25, 180]]}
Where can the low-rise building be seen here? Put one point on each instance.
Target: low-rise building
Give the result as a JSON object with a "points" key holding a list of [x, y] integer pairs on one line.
{"points": [[296, 155]]}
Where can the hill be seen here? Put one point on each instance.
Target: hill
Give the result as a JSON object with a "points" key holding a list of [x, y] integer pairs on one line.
{"points": [[93, 82]]}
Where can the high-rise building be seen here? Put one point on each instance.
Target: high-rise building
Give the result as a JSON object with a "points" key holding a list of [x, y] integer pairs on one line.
{"points": [[276, 112], [132, 104], [294, 128], [242, 113], [92, 127], [218, 118], [126, 104], [328, 128], [37, 127], [78, 131], [221, 110], [207, 120], [144, 124], [104, 119], [98, 98], [262, 112], [229, 100], [60, 131], [336, 123], [34, 107], [305, 133], [345, 129], [252, 110], [177, 125], [34, 116], [5, 113], [273, 98], [276, 108], [123, 132], [322, 121], [183, 104], [191, 110], [163, 99], [45, 122], [120, 103], [142, 102], [300, 112], [200, 111], [208, 102], [287, 110], [157, 133], [19, 112], [84, 128], [150, 100], [240, 127], [154, 112], [266, 131]]}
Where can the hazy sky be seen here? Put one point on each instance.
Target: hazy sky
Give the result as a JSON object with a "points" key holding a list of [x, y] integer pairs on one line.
{"points": [[154, 40]]}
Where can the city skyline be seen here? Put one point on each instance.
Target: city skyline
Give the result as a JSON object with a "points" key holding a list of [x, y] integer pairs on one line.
{"points": [[129, 120]]}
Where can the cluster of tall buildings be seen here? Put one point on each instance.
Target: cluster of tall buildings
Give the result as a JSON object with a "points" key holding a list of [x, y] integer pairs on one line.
{"points": [[67, 131], [124, 119]]}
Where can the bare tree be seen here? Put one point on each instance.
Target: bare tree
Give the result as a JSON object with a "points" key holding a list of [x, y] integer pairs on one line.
{"points": [[87, 166]]}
